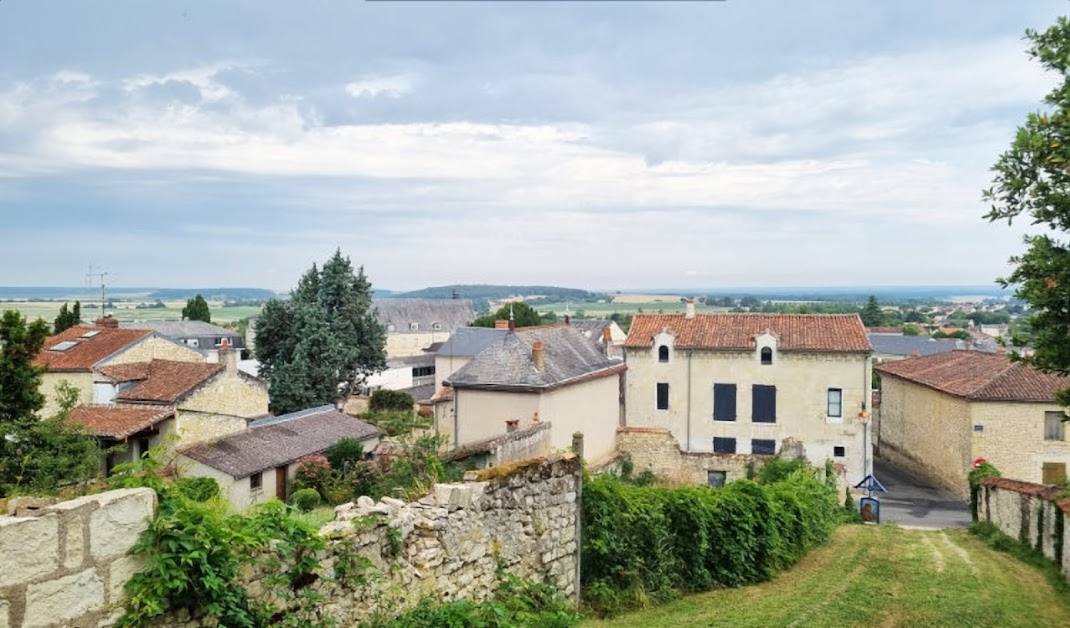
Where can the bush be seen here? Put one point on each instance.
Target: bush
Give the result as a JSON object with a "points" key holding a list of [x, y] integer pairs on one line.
{"points": [[313, 471], [979, 472], [346, 451], [305, 499], [390, 401], [198, 489], [644, 545]]}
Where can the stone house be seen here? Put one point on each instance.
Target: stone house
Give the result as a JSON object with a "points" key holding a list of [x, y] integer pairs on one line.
{"points": [[529, 375], [164, 402], [413, 325], [941, 412], [74, 355], [259, 464], [744, 383], [207, 337]]}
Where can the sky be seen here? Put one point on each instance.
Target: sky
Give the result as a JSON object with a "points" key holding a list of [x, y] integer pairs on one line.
{"points": [[599, 145]]}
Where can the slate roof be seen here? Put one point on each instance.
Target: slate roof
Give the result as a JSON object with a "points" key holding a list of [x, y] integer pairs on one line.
{"points": [[87, 352], [447, 313], [420, 393], [469, 341], [161, 381], [907, 345], [976, 375], [568, 357], [119, 421], [281, 440], [181, 329], [841, 333]]}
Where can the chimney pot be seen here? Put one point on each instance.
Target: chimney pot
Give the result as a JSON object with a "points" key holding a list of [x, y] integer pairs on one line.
{"points": [[511, 425], [536, 355], [108, 322], [690, 308], [500, 324], [607, 334]]}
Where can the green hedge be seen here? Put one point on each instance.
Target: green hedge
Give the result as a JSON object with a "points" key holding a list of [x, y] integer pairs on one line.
{"points": [[644, 544]]}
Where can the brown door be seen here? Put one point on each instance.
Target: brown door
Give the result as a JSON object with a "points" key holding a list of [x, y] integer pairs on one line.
{"points": [[1053, 472], [280, 483]]}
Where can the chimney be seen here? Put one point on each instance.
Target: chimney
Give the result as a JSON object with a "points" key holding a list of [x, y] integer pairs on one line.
{"points": [[535, 418], [500, 324], [607, 335], [108, 322], [228, 356], [536, 355], [455, 295], [568, 320], [690, 308], [511, 425]]}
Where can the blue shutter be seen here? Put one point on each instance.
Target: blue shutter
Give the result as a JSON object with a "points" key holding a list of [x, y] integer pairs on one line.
{"points": [[724, 402], [763, 404]]}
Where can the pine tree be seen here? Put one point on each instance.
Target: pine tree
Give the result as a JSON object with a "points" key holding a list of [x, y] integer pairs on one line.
{"points": [[62, 320], [872, 315], [197, 310]]}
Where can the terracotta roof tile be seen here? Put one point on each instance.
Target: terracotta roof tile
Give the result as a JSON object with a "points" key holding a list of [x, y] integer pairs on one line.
{"points": [[119, 421], [85, 353], [978, 375], [795, 332], [162, 381]]}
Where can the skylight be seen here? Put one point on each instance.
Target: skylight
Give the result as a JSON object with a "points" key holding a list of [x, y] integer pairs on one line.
{"points": [[64, 346], [90, 333]]}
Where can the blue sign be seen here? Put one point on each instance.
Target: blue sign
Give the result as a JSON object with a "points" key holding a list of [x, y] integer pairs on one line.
{"points": [[871, 484], [870, 507]]}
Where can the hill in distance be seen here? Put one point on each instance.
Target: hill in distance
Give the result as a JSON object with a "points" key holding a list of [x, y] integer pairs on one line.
{"points": [[492, 292]]}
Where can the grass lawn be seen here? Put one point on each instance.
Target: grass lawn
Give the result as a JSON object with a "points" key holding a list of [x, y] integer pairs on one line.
{"points": [[879, 576]]}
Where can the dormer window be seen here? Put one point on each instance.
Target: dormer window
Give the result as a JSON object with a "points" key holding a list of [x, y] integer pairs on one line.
{"points": [[767, 355], [663, 353], [414, 326]]}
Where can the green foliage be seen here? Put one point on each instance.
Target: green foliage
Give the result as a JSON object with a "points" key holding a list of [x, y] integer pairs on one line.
{"points": [[522, 314], [344, 453], [199, 490], [778, 470], [974, 477], [645, 545], [319, 345], [911, 330], [305, 499], [961, 334], [313, 471], [872, 315], [390, 401], [197, 310], [67, 318]]}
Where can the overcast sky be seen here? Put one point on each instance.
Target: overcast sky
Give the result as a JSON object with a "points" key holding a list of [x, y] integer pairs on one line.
{"points": [[586, 144]]}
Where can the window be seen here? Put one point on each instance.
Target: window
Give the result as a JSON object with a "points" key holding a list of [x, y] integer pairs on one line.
{"points": [[663, 353], [142, 447], [835, 402], [763, 404], [763, 446], [256, 482], [767, 355], [414, 326], [1053, 472], [724, 445], [662, 396], [423, 371], [1054, 428], [715, 479], [724, 402], [436, 326], [839, 452]]}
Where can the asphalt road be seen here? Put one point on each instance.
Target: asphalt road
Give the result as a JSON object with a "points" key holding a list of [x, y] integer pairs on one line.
{"points": [[914, 502]]}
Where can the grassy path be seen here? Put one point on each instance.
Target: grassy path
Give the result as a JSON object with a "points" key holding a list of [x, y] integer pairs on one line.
{"points": [[879, 576]]}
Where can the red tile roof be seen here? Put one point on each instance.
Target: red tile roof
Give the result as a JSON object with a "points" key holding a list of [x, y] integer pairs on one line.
{"points": [[161, 381], [978, 375], [795, 332], [87, 352], [121, 420]]}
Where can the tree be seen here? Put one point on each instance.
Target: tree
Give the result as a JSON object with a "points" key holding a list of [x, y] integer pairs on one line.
{"points": [[1033, 178], [67, 318], [872, 315], [323, 342], [197, 310], [523, 315]]}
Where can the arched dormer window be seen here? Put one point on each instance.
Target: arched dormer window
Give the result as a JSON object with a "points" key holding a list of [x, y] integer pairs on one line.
{"points": [[663, 353], [767, 355]]}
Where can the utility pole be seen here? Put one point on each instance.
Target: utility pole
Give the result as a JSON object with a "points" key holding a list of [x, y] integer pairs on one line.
{"points": [[90, 277]]}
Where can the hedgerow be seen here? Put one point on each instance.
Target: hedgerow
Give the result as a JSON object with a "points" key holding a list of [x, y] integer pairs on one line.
{"points": [[644, 545]]}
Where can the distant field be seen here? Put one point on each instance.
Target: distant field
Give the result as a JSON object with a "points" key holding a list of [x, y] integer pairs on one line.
{"points": [[643, 299], [605, 309], [126, 311]]}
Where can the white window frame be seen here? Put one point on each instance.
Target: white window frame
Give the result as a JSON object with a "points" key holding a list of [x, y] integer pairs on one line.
{"points": [[833, 418]]}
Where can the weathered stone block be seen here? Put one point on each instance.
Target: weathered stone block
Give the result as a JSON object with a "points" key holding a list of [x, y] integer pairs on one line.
{"points": [[120, 573], [62, 600], [74, 552], [122, 516], [5, 614], [29, 547]]}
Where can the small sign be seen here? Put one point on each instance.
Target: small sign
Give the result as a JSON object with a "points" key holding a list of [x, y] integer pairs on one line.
{"points": [[871, 484], [870, 507], [978, 428]]}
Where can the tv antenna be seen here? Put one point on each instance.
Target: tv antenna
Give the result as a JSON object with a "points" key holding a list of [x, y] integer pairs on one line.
{"points": [[91, 278]]}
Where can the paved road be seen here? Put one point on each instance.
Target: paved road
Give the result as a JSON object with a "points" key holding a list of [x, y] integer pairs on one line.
{"points": [[914, 502]]}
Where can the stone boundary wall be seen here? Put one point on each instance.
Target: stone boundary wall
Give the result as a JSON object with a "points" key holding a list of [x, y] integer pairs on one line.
{"points": [[66, 564], [1030, 513], [656, 450], [524, 444]]}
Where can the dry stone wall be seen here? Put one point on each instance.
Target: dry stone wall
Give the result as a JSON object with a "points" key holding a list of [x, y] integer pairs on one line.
{"points": [[1031, 513], [656, 450], [66, 564]]}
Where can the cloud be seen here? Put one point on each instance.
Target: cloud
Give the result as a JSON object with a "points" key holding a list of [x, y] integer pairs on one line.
{"points": [[389, 86]]}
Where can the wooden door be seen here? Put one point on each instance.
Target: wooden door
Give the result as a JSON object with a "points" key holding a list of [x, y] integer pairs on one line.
{"points": [[1053, 472], [280, 483]]}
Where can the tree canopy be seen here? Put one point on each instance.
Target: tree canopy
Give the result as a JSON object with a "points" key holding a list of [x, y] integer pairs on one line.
{"points": [[67, 318], [1032, 178], [321, 343], [523, 315], [872, 314], [197, 310]]}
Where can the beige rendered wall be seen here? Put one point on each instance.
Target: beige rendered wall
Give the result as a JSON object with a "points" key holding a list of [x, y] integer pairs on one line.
{"points": [[591, 407], [1013, 438], [927, 432], [82, 382], [448, 365], [802, 381], [236, 490], [402, 344], [231, 393], [482, 414], [155, 348]]}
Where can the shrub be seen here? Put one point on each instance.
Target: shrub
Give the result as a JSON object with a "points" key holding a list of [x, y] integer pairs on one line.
{"points": [[980, 471], [345, 452], [305, 499], [313, 471], [198, 489], [778, 469], [390, 400]]}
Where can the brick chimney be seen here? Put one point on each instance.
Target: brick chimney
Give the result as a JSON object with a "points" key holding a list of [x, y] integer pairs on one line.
{"points": [[690, 313], [108, 322], [228, 356], [500, 324], [536, 355], [607, 335]]}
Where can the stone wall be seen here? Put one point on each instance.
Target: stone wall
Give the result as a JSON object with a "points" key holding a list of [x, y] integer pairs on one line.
{"points": [[521, 444], [657, 450], [1030, 513], [66, 564]]}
